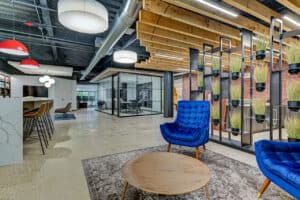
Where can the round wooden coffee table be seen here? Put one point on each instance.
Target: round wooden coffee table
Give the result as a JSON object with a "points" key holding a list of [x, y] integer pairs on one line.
{"points": [[166, 174]]}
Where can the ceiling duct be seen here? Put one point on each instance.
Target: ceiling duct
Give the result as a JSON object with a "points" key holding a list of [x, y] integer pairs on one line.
{"points": [[125, 21]]}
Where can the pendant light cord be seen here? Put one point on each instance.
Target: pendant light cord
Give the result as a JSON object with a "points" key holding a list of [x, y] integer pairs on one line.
{"points": [[14, 19]]}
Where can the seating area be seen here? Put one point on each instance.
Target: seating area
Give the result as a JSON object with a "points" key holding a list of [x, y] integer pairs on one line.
{"points": [[279, 162], [149, 99], [39, 121]]}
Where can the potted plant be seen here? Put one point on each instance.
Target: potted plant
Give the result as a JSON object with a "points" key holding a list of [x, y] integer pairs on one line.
{"points": [[235, 95], [215, 66], [235, 67], [261, 44], [215, 114], [260, 77], [200, 82], [216, 90], [293, 94], [292, 125], [259, 108], [294, 60], [235, 122], [201, 63]]}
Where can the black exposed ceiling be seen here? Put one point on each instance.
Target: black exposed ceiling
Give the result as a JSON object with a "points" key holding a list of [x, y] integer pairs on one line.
{"points": [[51, 43]]}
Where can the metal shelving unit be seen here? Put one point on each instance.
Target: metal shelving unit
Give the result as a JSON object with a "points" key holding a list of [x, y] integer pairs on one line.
{"points": [[246, 142]]}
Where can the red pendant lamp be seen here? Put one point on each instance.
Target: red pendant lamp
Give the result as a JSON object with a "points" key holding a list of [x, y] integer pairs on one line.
{"points": [[13, 47], [29, 63]]}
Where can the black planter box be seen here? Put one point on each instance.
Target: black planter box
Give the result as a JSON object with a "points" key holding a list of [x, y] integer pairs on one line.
{"points": [[260, 118], [260, 55], [235, 103], [235, 75], [216, 97], [201, 68], [293, 140], [216, 121], [200, 89], [294, 68], [260, 87], [216, 73], [235, 131], [294, 105]]}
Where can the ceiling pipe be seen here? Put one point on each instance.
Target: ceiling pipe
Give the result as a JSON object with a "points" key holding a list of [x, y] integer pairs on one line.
{"points": [[125, 21], [32, 5], [54, 39]]}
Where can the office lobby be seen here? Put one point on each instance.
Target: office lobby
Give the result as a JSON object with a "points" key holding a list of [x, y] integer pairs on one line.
{"points": [[149, 99]]}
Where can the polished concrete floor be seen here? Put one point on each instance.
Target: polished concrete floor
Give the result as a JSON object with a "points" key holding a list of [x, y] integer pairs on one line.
{"points": [[59, 175]]}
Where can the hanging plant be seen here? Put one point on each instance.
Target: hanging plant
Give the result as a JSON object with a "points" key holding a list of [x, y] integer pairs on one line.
{"points": [[294, 60], [235, 122], [259, 108], [293, 93], [216, 90], [215, 66], [235, 67], [261, 44], [215, 114], [260, 77], [200, 82], [235, 95], [201, 63], [292, 126]]}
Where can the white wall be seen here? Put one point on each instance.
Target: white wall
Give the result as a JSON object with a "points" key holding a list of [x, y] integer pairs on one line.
{"points": [[62, 92]]}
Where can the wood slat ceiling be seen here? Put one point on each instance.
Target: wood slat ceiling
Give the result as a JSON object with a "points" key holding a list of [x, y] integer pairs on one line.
{"points": [[171, 27]]}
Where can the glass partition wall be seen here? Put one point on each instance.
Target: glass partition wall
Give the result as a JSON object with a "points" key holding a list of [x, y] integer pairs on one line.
{"points": [[128, 94]]}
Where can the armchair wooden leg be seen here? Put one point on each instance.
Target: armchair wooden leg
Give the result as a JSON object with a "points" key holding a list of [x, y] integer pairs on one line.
{"points": [[263, 188], [204, 147], [197, 153], [169, 147]]}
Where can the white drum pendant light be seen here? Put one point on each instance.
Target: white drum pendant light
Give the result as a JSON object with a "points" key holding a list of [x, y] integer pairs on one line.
{"points": [[85, 16], [125, 56]]}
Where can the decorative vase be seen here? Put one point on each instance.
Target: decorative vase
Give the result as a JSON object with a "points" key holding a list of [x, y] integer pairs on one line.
{"points": [[294, 105], [201, 67], [294, 68], [216, 73], [260, 87], [260, 118], [235, 131], [216, 122], [235, 103], [216, 97], [260, 54], [293, 140], [235, 75]]}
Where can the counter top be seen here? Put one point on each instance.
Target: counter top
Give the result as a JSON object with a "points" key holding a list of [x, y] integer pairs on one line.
{"points": [[30, 99]]}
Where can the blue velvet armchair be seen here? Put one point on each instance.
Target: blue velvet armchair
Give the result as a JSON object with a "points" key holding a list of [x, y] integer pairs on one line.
{"points": [[280, 163], [191, 127]]}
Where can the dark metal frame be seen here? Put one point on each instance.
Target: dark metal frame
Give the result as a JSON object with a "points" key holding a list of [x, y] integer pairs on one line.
{"points": [[118, 97], [272, 37], [247, 145]]}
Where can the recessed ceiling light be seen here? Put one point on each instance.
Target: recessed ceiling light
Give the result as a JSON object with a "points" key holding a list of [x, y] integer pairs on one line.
{"points": [[85, 16], [219, 8], [125, 56], [288, 18], [168, 56]]}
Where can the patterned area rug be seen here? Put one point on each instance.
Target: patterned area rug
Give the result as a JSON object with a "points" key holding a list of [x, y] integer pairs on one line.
{"points": [[231, 179]]}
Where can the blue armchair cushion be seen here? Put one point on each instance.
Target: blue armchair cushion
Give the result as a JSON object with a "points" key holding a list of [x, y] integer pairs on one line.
{"points": [[177, 132], [191, 127], [280, 163]]}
